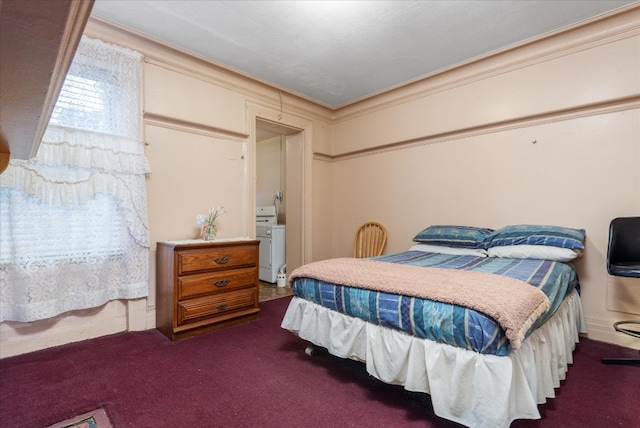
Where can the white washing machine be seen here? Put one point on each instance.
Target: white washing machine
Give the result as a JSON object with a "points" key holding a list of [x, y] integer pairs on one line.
{"points": [[272, 243]]}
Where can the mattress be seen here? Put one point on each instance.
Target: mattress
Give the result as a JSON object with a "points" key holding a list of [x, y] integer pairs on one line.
{"points": [[442, 322]]}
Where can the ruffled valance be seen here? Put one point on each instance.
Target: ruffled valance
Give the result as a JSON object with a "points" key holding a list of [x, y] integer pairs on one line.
{"points": [[72, 167]]}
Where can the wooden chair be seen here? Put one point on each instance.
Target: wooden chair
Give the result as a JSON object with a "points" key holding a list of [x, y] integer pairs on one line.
{"points": [[370, 240]]}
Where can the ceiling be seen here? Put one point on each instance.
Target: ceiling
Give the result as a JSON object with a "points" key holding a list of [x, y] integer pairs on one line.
{"points": [[339, 52]]}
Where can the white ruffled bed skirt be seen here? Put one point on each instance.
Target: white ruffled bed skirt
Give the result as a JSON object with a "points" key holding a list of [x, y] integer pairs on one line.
{"points": [[473, 389]]}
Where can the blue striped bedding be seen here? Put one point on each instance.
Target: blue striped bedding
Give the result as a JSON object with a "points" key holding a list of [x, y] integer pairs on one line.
{"points": [[442, 322]]}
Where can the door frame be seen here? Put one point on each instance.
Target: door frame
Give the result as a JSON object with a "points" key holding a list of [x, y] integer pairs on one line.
{"points": [[291, 124]]}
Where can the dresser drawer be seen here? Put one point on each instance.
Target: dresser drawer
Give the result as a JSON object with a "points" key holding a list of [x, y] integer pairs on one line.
{"points": [[215, 258], [203, 286], [215, 281], [214, 305]]}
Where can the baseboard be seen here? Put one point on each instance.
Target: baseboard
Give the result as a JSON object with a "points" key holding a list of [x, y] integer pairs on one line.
{"points": [[19, 339], [22, 344], [151, 318], [603, 331], [114, 317]]}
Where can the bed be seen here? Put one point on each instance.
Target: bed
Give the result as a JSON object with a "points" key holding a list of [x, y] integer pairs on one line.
{"points": [[484, 321]]}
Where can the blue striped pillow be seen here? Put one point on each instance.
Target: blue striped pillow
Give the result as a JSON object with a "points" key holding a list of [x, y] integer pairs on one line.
{"points": [[454, 236], [531, 234]]}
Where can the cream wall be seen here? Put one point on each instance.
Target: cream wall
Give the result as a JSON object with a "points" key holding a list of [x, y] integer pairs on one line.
{"points": [[544, 133]]}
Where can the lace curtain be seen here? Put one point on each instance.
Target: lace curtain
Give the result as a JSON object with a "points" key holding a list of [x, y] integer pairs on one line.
{"points": [[74, 231]]}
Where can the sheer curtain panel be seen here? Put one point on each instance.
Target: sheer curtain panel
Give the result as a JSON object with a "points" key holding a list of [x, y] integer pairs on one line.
{"points": [[74, 231]]}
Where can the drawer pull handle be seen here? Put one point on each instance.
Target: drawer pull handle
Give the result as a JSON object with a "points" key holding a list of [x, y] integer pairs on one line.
{"points": [[222, 260], [221, 282], [222, 306]]}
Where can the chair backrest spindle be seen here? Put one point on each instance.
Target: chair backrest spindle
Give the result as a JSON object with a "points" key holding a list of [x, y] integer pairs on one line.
{"points": [[370, 240]]}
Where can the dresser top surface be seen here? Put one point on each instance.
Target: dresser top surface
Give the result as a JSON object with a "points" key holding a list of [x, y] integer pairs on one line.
{"points": [[200, 243]]}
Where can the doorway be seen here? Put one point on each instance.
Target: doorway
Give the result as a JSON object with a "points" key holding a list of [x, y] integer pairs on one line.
{"points": [[280, 182]]}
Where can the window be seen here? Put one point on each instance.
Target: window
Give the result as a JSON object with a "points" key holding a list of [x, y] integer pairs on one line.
{"points": [[80, 104], [74, 228]]}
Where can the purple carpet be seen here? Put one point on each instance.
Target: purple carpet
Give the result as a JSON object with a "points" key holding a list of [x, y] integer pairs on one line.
{"points": [[257, 374]]}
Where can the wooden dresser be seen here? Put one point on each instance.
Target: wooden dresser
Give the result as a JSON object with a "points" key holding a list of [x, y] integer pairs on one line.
{"points": [[203, 286]]}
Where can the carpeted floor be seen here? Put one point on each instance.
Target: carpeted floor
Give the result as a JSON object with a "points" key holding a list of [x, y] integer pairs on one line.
{"points": [[257, 374]]}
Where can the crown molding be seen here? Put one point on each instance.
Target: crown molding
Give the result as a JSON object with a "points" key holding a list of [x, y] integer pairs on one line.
{"points": [[620, 24]]}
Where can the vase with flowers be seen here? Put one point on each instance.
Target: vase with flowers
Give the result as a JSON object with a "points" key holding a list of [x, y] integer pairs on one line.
{"points": [[208, 229]]}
